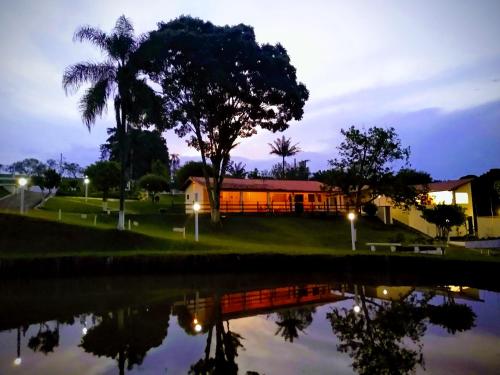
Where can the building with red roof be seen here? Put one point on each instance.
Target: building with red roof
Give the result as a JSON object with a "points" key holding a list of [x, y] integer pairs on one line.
{"points": [[261, 195]]}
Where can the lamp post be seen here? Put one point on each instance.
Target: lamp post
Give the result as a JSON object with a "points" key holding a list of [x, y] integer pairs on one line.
{"points": [[196, 208], [22, 183], [18, 359], [351, 216], [86, 183]]}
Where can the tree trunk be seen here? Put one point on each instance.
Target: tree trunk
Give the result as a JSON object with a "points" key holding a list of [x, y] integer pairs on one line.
{"points": [[215, 209], [121, 143], [283, 169]]}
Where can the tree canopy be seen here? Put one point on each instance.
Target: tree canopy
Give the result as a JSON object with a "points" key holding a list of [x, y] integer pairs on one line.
{"points": [[153, 183], [144, 147], [365, 162], [219, 85], [104, 176], [283, 147], [444, 216]]}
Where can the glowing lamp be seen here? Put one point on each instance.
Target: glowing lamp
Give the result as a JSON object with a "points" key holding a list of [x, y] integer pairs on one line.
{"points": [[18, 361], [356, 309], [196, 206], [22, 181], [385, 292], [351, 216], [86, 180], [197, 327]]}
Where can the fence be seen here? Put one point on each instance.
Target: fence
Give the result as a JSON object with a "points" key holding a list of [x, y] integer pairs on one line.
{"points": [[271, 208]]}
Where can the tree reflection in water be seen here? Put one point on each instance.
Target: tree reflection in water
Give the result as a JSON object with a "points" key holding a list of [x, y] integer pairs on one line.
{"points": [[384, 336], [227, 344], [46, 339], [293, 321], [127, 334]]}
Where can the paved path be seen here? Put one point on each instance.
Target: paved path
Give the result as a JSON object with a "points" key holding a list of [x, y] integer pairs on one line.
{"points": [[13, 202]]}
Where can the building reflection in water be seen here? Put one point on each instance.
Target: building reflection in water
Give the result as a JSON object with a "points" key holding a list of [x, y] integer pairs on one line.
{"points": [[379, 327]]}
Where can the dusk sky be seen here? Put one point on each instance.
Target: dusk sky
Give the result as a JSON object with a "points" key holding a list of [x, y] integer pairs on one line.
{"points": [[431, 69]]}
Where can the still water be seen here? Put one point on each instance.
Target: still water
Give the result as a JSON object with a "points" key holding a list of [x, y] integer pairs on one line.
{"points": [[246, 325]]}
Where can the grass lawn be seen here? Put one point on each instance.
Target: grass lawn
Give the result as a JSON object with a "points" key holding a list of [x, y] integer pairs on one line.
{"points": [[39, 233]]}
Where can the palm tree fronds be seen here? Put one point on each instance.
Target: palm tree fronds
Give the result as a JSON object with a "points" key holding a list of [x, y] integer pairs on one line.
{"points": [[124, 27], [93, 35], [77, 74], [94, 102]]}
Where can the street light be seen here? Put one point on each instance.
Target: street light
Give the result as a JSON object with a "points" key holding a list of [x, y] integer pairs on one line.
{"points": [[18, 359], [86, 183], [22, 183], [351, 216], [196, 208]]}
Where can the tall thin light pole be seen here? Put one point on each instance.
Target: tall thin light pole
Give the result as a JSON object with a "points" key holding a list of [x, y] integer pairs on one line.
{"points": [[22, 183], [196, 208], [86, 183], [351, 216]]}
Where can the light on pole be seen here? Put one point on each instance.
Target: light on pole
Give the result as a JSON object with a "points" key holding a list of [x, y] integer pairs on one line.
{"points": [[351, 216], [196, 208], [18, 359], [86, 183], [22, 183]]}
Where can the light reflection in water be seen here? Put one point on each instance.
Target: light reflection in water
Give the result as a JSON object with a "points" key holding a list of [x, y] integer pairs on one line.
{"points": [[322, 327]]}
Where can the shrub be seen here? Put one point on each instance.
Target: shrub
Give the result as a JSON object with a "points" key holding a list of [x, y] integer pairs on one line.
{"points": [[370, 209]]}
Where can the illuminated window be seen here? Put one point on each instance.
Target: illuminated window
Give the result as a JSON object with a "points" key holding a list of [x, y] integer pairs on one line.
{"points": [[445, 197], [461, 198]]}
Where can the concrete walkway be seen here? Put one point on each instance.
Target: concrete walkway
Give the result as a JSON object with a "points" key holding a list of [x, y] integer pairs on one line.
{"points": [[13, 202]]}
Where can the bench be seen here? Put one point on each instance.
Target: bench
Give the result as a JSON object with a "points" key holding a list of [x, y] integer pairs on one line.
{"points": [[428, 249], [180, 230], [392, 245]]}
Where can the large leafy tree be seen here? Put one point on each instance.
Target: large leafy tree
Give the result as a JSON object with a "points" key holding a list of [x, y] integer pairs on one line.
{"points": [[365, 162], [219, 86], [445, 216], [284, 148], [104, 176], [115, 79], [144, 147]]}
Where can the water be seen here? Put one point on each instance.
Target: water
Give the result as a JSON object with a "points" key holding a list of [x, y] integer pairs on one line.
{"points": [[246, 325]]}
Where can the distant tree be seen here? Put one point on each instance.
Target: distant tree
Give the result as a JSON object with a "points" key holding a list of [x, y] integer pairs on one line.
{"points": [[190, 169], [407, 188], [52, 163], [486, 193], [175, 163], [254, 174], [444, 216], [38, 180], [283, 147], [72, 170], [116, 78], [236, 170], [104, 176], [365, 161], [144, 147], [30, 167], [153, 184], [219, 86], [52, 179], [298, 171]]}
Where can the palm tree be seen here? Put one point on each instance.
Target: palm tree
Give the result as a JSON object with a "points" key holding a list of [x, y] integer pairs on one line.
{"points": [[116, 78], [284, 148]]}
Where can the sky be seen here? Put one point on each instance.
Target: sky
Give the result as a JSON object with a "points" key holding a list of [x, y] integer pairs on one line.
{"points": [[430, 69]]}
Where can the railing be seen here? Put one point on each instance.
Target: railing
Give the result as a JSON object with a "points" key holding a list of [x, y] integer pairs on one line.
{"points": [[273, 208]]}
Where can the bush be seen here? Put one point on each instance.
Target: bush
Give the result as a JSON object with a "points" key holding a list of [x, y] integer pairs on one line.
{"points": [[370, 209]]}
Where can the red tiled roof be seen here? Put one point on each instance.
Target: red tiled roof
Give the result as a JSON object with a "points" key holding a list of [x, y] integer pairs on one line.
{"points": [[446, 185], [264, 185]]}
